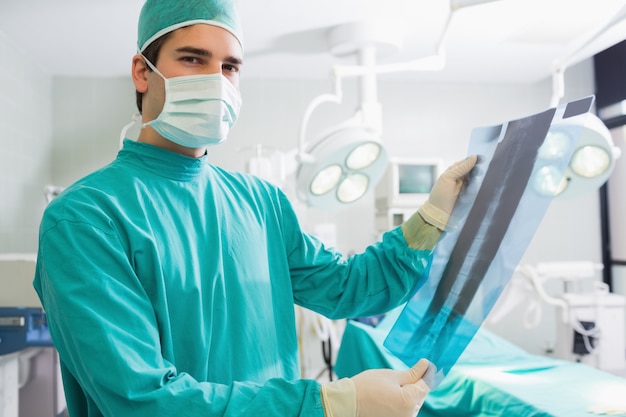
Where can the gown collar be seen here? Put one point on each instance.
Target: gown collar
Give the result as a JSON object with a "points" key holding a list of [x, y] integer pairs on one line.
{"points": [[161, 161]]}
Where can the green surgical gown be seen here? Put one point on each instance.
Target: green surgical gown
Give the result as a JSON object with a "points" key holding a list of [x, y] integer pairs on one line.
{"points": [[169, 286]]}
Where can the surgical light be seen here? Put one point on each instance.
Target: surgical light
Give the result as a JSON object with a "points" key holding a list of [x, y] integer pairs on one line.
{"points": [[591, 164], [363, 155], [594, 158], [352, 187], [342, 164], [341, 167]]}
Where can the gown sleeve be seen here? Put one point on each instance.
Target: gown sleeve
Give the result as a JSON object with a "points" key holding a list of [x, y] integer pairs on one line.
{"points": [[373, 282]]}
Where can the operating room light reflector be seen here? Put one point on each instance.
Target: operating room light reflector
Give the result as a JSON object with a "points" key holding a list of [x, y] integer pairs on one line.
{"points": [[590, 161], [555, 145], [589, 142], [549, 181], [352, 188], [363, 156], [326, 179], [341, 167]]}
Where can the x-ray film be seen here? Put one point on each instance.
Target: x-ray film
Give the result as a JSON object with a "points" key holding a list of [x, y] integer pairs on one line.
{"points": [[520, 167]]}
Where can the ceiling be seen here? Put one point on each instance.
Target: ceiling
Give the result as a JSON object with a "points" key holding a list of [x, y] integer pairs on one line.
{"points": [[502, 41]]}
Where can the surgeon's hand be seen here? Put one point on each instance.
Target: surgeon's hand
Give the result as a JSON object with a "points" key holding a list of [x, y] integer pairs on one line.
{"points": [[437, 209], [377, 392]]}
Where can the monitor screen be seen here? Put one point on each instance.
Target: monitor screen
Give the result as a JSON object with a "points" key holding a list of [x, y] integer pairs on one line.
{"points": [[416, 179]]}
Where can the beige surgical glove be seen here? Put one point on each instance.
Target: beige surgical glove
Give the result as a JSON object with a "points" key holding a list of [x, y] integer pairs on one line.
{"points": [[437, 209], [377, 392]]}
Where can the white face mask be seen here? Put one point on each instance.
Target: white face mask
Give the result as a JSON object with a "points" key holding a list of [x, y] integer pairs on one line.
{"points": [[199, 110]]}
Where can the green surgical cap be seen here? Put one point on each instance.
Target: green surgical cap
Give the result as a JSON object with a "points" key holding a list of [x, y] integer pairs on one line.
{"points": [[159, 17]]}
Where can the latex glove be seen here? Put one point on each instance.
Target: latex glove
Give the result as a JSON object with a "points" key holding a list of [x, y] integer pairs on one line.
{"points": [[437, 209], [377, 392]]}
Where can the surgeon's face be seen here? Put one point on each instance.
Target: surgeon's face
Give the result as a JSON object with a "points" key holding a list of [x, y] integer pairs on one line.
{"points": [[197, 49]]}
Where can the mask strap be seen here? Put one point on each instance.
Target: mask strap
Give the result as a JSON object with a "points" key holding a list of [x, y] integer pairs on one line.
{"points": [[135, 120], [152, 67]]}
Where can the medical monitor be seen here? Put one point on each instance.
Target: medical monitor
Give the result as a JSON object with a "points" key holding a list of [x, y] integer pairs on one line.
{"points": [[406, 183]]}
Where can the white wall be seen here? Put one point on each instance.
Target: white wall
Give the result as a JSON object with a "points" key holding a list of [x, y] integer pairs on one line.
{"points": [[89, 114], [25, 143]]}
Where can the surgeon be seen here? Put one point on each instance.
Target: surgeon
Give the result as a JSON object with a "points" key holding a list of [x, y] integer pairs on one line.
{"points": [[169, 283]]}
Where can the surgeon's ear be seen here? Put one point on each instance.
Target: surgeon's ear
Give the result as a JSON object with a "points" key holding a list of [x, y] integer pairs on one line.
{"points": [[140, 73]]}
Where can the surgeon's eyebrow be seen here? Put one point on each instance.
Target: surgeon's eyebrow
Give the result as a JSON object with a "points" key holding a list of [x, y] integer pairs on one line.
{"points": [[195, 51], [234, 61], [207, 54]]}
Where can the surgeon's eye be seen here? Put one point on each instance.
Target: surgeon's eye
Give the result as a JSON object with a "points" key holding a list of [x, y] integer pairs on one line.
{"points": [[230, 68], [191, 59]]}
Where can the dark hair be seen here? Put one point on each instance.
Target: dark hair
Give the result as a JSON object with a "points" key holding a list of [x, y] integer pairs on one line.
{"points": [[151, 53]]}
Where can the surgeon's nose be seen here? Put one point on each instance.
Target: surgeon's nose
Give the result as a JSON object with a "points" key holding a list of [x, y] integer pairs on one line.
{"points": [[214, 67]]}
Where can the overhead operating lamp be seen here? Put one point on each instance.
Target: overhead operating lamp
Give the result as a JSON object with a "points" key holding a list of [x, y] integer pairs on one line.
{"points": [[344, 162], [342, 166], [595, 156], [590, 165]]}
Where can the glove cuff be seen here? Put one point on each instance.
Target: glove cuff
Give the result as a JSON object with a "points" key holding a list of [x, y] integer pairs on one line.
{"points": [[419, 234], [339, 398], [434, 215]]}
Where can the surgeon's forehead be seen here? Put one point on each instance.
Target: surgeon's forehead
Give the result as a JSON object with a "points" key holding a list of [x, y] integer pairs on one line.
{"points": [[213, 39]]}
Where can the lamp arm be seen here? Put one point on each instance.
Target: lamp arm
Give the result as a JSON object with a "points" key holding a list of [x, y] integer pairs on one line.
{"points": [[558, 86], [561, 63], [569, 58], [316, 102]]}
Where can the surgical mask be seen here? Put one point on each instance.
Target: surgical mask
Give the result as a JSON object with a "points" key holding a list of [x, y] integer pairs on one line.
{"points": [[199, 110]]}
